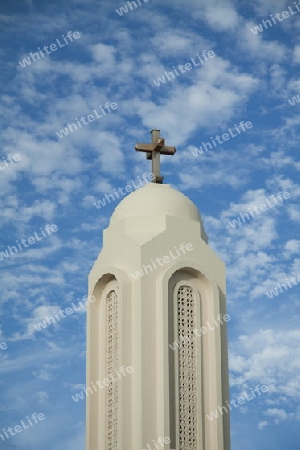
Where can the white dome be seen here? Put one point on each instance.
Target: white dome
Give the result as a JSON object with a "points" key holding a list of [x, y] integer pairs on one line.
{"points": [[157, 199]]}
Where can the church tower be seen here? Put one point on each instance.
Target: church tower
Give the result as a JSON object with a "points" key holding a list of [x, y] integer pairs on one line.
{"points": [[157, 363]]}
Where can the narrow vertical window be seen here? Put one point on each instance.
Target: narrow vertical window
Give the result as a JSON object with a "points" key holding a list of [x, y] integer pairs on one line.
{"points": [[183, 370], [112, 365], [187, 361]]}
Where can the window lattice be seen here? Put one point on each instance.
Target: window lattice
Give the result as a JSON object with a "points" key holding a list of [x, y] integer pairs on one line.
{"points": [[112, 365], [186, 309]]}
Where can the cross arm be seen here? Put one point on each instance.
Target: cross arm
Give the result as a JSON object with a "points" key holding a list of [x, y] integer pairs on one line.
{"points": [[163, 149]]}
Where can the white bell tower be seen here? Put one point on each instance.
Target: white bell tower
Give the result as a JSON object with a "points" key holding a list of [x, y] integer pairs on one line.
{"points": [[157, 362]]}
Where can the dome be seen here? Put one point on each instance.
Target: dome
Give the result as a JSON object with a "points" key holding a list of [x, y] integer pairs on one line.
{"points": [[155, 199]]}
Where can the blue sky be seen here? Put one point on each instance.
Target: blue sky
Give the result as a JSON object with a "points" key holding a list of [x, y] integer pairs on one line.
{"points": [[56, 181]]}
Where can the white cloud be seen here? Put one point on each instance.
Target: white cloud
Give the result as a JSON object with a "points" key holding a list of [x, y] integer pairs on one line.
{"points": [[292, 247], [15, 211], [42, 397], [259, 46], [220, 16], [281, 159], [217, 92], [104, 54], [266, 7], [110, 157], [269, 357], [39, 315], [279, 415], [43, 375], [175, 42], [294, 213], [297, 54], [261, 425]]}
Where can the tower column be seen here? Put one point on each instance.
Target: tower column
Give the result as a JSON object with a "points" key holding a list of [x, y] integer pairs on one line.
{"points": [[153, 342]]}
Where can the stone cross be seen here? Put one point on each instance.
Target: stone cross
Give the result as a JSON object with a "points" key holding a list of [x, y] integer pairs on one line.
{"points": [[154, 150]]}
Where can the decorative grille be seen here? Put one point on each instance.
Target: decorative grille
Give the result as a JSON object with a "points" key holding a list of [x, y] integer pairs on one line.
{"points": [[186, 310], [112, 366]]}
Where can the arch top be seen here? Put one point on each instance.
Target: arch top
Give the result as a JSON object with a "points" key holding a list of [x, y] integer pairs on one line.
{"points": [[191, 269]]}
